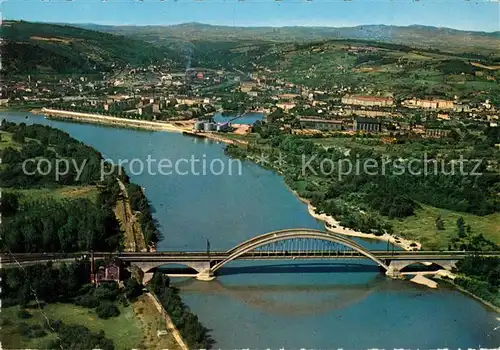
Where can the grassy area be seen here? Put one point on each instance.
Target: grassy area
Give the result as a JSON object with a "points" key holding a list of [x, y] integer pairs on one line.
{"points": [[124, 330], [6, 141], [66, 192], [422, 226], [151, 323]]}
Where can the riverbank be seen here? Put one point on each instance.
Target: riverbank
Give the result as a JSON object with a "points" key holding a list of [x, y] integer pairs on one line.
{"points": [[156, 334], [450, 280], [168, 321], [333, 225], [133, 236], [107, 120], [132, 123]]}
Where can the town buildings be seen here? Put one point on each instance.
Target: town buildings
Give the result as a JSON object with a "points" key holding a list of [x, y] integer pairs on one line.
{"points": [[368, 101], [286, 105], [429, 104], [246, 86], [321, 124]]}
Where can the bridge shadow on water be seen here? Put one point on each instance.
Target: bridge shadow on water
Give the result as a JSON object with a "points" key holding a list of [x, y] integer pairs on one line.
{"points": [[299, 268], [295, 297], [290, 268]]}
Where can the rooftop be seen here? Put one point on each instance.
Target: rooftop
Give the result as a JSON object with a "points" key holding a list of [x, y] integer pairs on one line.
{"points": [[317, 120], [367, 120], [371, 98]]}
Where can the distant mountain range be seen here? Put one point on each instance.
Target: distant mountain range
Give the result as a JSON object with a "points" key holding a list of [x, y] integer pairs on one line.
{"points": [[29, 47], [427, 37]]}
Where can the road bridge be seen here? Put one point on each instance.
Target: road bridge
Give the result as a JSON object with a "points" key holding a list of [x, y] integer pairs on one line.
{"points": [[292, 244]]}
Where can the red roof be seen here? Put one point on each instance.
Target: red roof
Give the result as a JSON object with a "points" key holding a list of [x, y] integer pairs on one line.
{"points": [[372, 98]]}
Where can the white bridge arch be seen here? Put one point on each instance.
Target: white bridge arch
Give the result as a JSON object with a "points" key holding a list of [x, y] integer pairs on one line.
{"points": [[283, 235]]}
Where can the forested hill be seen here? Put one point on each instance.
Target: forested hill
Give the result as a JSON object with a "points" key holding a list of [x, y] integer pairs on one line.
{"points": [[73, 211], [40, 47]]}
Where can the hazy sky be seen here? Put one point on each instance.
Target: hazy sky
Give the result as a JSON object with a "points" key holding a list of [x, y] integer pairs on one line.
{"points": [[460, 14]]}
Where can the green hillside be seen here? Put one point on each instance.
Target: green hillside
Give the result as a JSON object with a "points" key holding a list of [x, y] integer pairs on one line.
{"points": [[382, 67], [48, 48]]}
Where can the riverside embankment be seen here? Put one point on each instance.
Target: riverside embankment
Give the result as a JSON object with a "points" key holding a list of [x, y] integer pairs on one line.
{"points": [[133, 123], [103, 119]]}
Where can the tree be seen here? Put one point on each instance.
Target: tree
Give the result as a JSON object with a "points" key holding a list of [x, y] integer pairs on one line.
{"points": [[19, 136], [439, 223], [468, 229], [107, 309], [132, 289], [9, 204], [461, 227]]}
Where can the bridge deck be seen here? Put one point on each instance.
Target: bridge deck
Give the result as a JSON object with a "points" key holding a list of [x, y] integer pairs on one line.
{"points": [[173, 257]]}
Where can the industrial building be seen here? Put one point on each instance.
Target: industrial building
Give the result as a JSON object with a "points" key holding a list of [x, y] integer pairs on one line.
{"points": [[321, 124], [436, 132], [367, 124]]}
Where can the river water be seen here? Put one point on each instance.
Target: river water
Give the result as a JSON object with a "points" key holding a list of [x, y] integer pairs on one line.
{"points": [[247, 118], [293, 305]]}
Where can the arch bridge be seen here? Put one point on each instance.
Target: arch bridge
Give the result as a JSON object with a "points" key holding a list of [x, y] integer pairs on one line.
{"points": [[290, 244]]}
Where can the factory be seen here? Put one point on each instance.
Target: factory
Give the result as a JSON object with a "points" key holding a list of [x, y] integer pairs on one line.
{"points": [[367, 124], [321, 124], [210, 126]]}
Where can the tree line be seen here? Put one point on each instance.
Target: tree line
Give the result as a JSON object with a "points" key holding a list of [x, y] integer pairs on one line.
{"points": [[384, 194], [39, 141], [57, 224], [480, 276], [192, 330]]}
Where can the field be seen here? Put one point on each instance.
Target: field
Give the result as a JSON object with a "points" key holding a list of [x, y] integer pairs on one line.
{"points": [[151, 324], [422, 226], [6, 141], [123, 330], [66, 192]]}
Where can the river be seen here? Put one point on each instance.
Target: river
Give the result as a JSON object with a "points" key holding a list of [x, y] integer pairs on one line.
{"points": [[293, 305], [246, 118]]}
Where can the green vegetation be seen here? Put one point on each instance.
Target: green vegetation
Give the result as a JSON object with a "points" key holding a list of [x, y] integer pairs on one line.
{"points": [[36, 142], [192, 331], [119, 109], [139, 202], [385, 68], [46, 223], [72, 218], [70, 310], [429, 38], [61, 226], [390, 200], [422, 226], [35, 48], [65, 221], [59, 193], [481, 277]]}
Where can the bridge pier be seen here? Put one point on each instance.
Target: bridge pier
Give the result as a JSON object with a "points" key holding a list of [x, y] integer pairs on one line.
{"points": [[395, 266], [203, 269], [147, 277], [205, 276]]}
